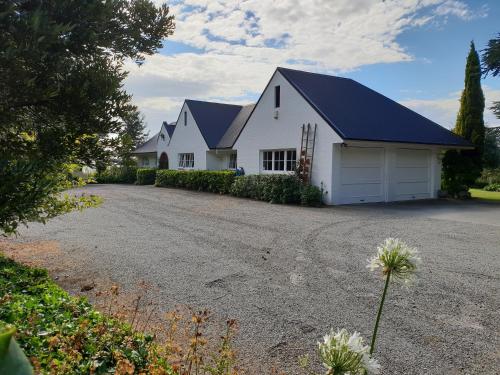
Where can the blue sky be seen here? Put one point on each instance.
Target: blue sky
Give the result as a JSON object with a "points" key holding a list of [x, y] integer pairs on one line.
{"points": [[412, 51]]}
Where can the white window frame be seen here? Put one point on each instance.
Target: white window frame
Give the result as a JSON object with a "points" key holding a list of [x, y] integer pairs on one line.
{"points": [[276, 160], [186, 160], [232, 164]]}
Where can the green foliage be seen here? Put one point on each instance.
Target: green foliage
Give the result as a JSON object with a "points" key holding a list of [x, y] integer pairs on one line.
{"points": [[491, 155], [12, 358], [488, 176], [211, 181], [146, 176], [30, 191], [62, 334], [276, 189], [491, 57], [117, 175], [492, 187], [462, 168], [61, 93]]}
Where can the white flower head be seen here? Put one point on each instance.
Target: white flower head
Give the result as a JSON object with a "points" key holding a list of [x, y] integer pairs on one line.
{"points": [[342, 353], [397, 258]]}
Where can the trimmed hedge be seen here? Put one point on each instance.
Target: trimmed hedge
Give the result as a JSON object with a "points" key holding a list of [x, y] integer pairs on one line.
{"points": [[117, 175], [277, 189], [211, 181], [146, 176]]}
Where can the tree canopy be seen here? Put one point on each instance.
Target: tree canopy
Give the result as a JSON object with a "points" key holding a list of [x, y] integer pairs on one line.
{"points": [[61, 91], [491, 65]]}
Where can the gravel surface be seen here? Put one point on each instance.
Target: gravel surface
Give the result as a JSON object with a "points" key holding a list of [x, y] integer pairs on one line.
{"points": [[288, 274]]}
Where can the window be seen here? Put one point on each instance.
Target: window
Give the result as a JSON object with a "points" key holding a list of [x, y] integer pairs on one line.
{"points": [[186, 160], [162, 136], [185, 118], [267, 160], [277, 99], [279, 160], [291, 160], [232, 161], [145, 162]]}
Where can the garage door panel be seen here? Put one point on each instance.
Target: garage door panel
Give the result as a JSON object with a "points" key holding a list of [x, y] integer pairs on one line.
{"points": [[352, 175], [411, 176], [361, 177], [420, 174]]}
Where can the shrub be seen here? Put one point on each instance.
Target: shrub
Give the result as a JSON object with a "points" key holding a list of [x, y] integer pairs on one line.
{"points": [[488, 177], [276, 189], [492, 187], [117, 175], [63, 334], [211, 181], [146, 176]]}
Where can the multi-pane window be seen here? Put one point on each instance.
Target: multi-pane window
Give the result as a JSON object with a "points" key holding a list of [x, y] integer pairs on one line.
{"points": [[186, 160], [267, 160], [279, 160], [291, 160], [232, 161]]}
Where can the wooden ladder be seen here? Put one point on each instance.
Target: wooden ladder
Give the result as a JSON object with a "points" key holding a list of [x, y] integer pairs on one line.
{"points": [[307, 152]]}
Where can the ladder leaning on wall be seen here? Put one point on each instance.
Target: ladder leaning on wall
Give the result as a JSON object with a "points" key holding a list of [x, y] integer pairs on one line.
{"points": [[307, 152]]}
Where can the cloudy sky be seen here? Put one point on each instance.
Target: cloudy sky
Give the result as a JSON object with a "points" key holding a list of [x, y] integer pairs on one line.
{"points": [[412, 51]]}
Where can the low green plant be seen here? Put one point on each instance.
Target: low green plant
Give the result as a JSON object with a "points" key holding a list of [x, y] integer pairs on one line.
{"points": [[210, 181], [492, 187], [277, 189], [146, 176], [488, 177], [117, 175], [63, 334], [12, 358]]}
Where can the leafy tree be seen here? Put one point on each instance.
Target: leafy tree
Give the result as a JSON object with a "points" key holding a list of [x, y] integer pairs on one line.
{"points": [[61, 93], [491, 155], [491, 64], [132, 135], [462, 168]]}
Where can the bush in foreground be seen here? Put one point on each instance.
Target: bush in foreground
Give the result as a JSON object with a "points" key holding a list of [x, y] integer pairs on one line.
{"points": [[211, 181], [63, 334], [146, 176]]}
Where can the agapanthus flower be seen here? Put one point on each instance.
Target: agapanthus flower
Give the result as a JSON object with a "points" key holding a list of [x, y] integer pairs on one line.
{"points": [[397, 258], [342, 353]]}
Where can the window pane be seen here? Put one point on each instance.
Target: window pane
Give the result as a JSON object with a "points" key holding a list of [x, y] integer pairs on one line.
{"points": [[291, 160], [277, 95], [232, 161], [279, 160], [267, 160]]}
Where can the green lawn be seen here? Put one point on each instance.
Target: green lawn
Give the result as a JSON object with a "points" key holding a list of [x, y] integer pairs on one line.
{"points": [[487, 195]]}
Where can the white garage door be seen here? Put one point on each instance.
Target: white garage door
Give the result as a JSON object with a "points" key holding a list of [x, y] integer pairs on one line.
{"points": [[411, 176], [361, 176]]}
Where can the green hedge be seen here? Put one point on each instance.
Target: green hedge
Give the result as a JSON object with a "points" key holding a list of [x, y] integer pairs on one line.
{"points": [[211, 181], [146, 176], [277, 189], [117, 175]]}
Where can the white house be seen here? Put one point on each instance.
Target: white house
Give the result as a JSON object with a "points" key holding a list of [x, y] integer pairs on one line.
{"points": [[357, 144]]}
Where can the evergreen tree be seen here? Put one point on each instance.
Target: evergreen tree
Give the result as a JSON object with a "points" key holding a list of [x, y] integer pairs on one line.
{"points": [[462, 168]]}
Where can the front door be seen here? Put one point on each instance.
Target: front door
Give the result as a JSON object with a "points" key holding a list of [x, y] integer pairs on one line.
{"points": [[163, 164]]}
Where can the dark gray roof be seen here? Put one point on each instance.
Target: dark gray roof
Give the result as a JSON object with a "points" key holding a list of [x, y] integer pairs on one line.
{"points": [[234, 130], [213, 119], [169, 127], [356, 112], [147, 147]]}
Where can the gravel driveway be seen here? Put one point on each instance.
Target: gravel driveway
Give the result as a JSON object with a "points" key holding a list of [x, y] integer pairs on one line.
{"points": [[288, 274]]}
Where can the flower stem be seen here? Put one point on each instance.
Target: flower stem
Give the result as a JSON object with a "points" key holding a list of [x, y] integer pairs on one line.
{"points": [[374, 336]]}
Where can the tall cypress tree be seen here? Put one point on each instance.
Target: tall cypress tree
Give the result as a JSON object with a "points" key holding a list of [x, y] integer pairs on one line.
{"points": [[462, 168], [470, 123]]}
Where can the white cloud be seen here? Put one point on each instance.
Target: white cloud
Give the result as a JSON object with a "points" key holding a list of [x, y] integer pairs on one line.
{"points": [[244, 40], [444, 110]]}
